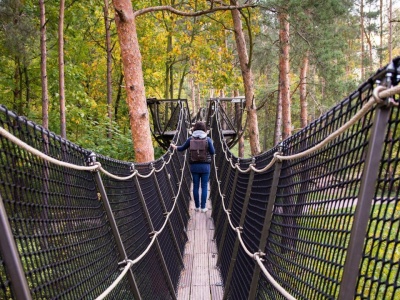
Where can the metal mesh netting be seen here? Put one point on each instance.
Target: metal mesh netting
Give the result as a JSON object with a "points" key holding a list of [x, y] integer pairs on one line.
{"points": [[379, 272], [314, 210], [62, 233]]}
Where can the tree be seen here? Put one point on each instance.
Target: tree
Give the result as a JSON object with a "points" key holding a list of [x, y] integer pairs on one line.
{"points": [[43, 66], [63, 121], [284, 83], [133, 73], [107, 25], [248, 81]]}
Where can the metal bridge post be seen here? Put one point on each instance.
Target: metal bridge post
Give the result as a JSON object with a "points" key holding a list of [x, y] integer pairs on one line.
{"points": [[167, 175], [169, 220], [221, 211], [367, 190], [158, 247], [226, 225], [114, 226], [10, 255], [266, 226], [177, 176], [237, 242]]}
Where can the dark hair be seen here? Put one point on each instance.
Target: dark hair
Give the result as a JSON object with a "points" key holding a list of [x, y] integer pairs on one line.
{"points": [[199, 126]]}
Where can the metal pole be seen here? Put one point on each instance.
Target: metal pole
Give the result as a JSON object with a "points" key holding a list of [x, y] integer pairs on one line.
{"points": [[226, 225], [161, 256], [10, 255], [221, 211], [186, 184], [237, 242], [167, 175], [266, 226], [114, 227], [361, 217], [171, 229]]}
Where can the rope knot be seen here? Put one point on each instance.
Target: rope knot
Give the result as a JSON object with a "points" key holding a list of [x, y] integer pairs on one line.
{"points": [[276, 156]]}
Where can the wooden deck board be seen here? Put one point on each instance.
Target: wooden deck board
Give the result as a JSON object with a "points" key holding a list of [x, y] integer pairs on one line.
{"points": [[200, 279]]}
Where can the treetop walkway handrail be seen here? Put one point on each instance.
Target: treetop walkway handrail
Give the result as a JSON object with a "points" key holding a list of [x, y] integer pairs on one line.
{"points": [[283, 235], [96, 166], [379, 94], [158, 167]]}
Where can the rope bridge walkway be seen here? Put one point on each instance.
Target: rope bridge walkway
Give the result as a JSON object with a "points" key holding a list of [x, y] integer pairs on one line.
{"points": [[316, 217]]}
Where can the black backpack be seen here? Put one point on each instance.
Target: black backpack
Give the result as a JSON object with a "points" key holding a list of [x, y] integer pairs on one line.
{"points": [[198, 149]]}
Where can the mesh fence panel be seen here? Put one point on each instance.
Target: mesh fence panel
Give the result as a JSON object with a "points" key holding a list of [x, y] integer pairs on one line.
{"points": [[64, 238], [314, 210], [379, 276], [58, 223]]}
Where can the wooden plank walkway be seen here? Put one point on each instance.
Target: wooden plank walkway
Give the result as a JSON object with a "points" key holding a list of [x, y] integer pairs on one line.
{"points": [[200, 279]]}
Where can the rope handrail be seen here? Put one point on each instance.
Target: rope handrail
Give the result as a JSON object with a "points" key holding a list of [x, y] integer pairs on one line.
{"points": [[96, 166], [254, 256], [153, 239], [379, 93]]}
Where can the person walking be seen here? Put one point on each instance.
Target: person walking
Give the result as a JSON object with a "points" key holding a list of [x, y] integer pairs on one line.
{"points": [[199, 167]]}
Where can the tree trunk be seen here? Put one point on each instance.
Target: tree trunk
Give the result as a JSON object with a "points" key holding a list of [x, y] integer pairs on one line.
{"points": [[390, 35], [303, 91], [278, 119], [109, 66], [238, 111], [63, 122], [284, 76], [119, 95], [284, 81], [43, 66], [134, 82], [247, 75], [362, 38]]}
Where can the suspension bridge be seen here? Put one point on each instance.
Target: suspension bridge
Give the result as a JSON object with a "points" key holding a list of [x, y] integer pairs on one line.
{"points": [[316, 217]]}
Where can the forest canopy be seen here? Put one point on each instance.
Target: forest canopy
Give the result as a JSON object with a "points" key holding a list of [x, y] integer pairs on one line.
{"points": [[339, 42]]}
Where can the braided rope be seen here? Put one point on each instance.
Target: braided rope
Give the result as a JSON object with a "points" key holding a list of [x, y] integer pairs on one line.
{"points": [[97, 167], [43, 156], [379, 93], [256, 255]]}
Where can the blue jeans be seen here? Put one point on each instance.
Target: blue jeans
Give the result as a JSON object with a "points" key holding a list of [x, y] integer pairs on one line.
{"points": [[203, 178]]}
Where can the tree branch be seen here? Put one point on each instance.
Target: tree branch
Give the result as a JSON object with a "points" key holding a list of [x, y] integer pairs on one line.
{"points": [[189, 14]]}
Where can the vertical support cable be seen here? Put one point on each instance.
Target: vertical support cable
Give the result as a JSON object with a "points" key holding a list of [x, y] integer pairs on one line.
{"points": [[10, 255], [226, 225], [237, 242], [114, 227], [171, 229], [266, 226], [158, 247], [364, 203]]}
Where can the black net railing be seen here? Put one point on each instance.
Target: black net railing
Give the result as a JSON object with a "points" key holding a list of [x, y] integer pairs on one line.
{"points": [[66, 246], [165, 117], [325, 224]]}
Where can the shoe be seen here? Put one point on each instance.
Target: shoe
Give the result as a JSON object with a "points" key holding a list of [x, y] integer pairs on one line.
{"points": [[204, 210], [196, 209]]}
